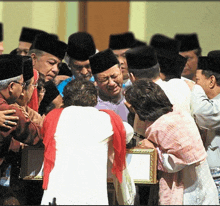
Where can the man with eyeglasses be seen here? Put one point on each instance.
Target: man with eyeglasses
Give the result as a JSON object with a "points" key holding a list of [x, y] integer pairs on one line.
{"points": [[80, 47], [108, 76], [11, 87]]}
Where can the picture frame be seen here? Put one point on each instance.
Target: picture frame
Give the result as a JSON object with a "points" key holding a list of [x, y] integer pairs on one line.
{"points": [[141, 164]]}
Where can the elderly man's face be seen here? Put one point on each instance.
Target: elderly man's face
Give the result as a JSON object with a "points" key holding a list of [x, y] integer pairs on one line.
{"points": [[1, 47], [47, 64], [81, 69], [110, 81], [120, 54], [189, 70], [23, 48]]}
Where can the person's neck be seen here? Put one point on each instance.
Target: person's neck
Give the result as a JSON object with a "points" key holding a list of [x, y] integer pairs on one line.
{"points": [[191, 77], [214, 93], [113, 99], [156, 79]]}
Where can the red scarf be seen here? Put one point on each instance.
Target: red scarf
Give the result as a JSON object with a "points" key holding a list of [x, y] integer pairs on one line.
{"points": [[33, 104], [119, 144], [48, 131]]}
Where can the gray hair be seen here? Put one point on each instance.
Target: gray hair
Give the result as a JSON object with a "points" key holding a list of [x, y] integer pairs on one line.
{"points": [[38, 52], [4, 83]]}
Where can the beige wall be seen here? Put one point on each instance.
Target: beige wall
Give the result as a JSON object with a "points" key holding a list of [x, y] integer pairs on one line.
{"points": [[145, 19], [170, 18], [43, 15], [14, 16], [137, 19]]}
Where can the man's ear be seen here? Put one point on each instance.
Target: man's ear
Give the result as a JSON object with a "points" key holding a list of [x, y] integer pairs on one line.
{"points": [[212, 81], [10, 87], [34, 58], [132, 78]]}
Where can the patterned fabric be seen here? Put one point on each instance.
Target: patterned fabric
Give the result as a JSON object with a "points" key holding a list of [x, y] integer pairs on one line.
{"points": [[175, 134]]}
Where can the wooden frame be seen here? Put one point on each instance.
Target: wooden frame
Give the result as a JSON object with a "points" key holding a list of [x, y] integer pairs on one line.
{"points": [[142, 166]]}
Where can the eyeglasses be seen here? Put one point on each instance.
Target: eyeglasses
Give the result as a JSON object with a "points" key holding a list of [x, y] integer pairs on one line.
{"points": [[22, 84]]}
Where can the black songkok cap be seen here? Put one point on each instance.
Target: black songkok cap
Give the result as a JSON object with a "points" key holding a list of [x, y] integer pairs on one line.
{"points": [[50, 94], [165, 46], [1, 32], [214, 53], [171, 63], [203, 63], [64, 70], [143, 57], [13, 52], [28, 72], [81, 46], [49, 44], [10, 66], [214, 61], [28, 34], [122, 41], [188, 41], [211, 63], [102, 61], [139, 43]]}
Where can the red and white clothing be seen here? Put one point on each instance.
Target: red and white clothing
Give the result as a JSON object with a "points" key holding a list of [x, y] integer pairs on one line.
{"points": [[79, 175]]}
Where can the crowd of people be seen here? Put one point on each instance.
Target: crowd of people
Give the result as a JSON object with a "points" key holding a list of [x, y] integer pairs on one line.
{"points": [[84, 107]]}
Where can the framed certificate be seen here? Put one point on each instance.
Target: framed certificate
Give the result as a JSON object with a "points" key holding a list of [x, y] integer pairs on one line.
{"points": [[141, 165]]}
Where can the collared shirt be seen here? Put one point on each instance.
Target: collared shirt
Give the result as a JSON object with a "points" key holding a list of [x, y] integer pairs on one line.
{"points": [[25, 131], [119, 108]]}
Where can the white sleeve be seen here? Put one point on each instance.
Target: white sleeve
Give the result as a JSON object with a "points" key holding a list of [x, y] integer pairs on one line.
{"points": [[205, 111], [129, 132], [170, 165]]}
